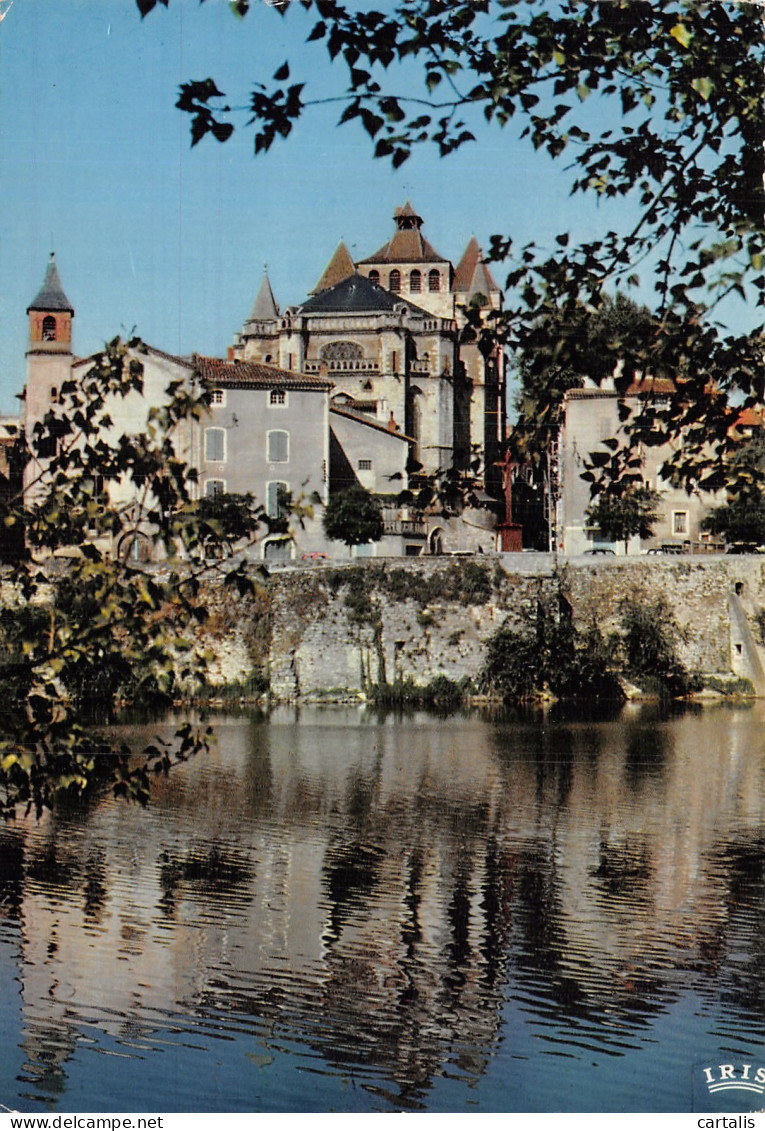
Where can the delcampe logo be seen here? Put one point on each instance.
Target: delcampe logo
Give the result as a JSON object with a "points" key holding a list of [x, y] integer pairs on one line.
{"points": [[735, 1078]]}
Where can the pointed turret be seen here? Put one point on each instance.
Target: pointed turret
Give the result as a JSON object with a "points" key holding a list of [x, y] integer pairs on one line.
{"points": [[340, 267], [472, 275], [51, 294], [50, 315], [264, 308]]}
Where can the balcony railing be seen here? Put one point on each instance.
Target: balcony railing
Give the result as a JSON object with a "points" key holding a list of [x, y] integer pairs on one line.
{"points": [[362, 365], [408, 526]]}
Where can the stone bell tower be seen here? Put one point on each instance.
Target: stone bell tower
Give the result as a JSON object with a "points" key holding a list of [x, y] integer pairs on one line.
{"points": [[49, 354]]}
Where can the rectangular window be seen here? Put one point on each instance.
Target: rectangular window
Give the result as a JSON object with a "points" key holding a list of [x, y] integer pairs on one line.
{"points": [[680, 522], [217, 397], [365, 465], [277, 498], [278, 397], [214, 488], [278, 446], [215, 445]]}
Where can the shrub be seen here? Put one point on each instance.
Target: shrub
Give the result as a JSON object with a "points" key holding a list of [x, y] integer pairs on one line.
{"points": [[552, 657], [650, 646]]}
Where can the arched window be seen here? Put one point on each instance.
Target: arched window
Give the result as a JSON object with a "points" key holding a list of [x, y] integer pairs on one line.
{"points": [[278, 550], [374, 277], [342, 351], [394, 281], [135, 548], [415, 281], [434, 280], [278, 499], [49, 328]]}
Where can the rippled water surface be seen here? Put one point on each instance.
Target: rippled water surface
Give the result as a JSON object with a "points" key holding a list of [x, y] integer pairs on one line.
{"points": [[341, 911]]}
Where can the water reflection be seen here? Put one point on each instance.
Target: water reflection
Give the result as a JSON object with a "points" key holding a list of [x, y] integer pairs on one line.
{"points": [[350, 911]]}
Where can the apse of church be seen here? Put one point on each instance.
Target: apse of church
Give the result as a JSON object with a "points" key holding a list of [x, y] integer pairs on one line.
{"points": [[388, 332]]}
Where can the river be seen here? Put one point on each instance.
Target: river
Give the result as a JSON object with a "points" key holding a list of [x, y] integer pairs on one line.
{"points": [[338, 910]]}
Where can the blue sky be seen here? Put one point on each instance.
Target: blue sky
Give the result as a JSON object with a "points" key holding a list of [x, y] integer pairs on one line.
{"points": [[154, 236]]}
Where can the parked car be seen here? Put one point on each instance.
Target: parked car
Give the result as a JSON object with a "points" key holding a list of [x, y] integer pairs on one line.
{"points": [[599, 550], [744, 548], [315, 556], [666, 548]]}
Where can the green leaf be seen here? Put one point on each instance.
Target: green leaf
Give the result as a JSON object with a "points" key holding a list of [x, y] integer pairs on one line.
{"points": [[683, 34], [703, 87]]}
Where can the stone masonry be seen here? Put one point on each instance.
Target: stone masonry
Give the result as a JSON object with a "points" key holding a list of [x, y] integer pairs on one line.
{"points": [[340, 630]]}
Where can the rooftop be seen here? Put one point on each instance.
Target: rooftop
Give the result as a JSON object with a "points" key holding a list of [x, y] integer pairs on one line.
{"points": [[254, 375], [355, 295], [51, 294]]}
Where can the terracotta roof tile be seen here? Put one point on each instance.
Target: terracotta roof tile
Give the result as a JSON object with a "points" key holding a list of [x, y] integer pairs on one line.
{"points": [[255, 375], [340, 266], [407, 244], [471, 275], [643, 386]]}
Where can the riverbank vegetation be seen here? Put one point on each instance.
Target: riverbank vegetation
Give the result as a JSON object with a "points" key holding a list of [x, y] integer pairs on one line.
{"points": [[552, 658], [86, 620]]}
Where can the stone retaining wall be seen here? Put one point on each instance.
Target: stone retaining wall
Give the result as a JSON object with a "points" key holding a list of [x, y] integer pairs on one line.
{"points": [[337, 630]]}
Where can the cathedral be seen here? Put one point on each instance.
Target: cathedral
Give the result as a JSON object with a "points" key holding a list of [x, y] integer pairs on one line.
{"points": [[375, 375], [390, 333]]}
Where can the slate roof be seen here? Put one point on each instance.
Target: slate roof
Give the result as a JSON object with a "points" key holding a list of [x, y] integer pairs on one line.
{"points": [[51, 294], [255, 375], [356, 295], [264, 308]]}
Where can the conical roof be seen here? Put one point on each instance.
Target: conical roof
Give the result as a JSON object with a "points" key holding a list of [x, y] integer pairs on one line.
{"points": [[264, 307], [472, 275], [340, 266], [51, 294]]}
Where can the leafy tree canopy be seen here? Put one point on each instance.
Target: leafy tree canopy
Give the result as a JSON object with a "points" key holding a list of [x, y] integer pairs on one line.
{"points": [[85, 622], [354, 517], [559, 352], [446, 491], [660, 103], [742, 520], [742, 517], [621, 514]]}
